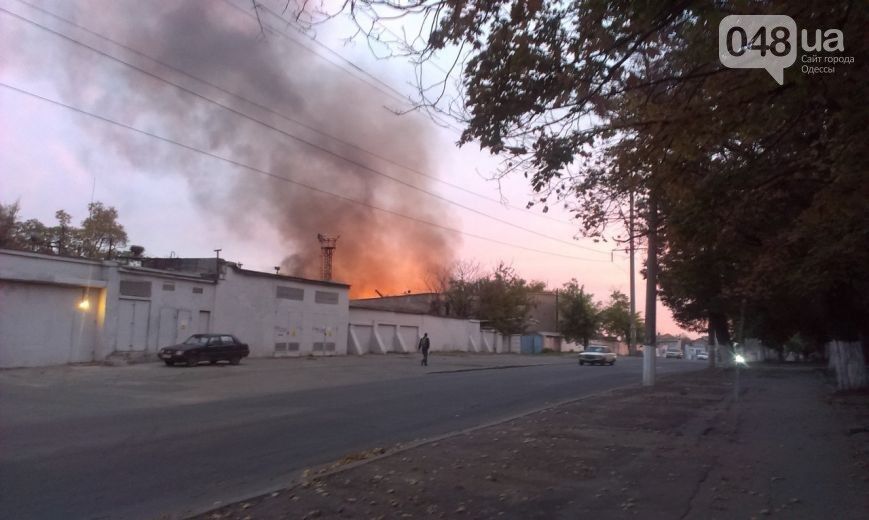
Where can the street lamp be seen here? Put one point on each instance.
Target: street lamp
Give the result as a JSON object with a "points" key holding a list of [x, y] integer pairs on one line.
{"points": [[738, 361]]}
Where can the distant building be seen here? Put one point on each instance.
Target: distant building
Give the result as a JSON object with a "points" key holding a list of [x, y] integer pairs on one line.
{"points": [[543, 315], [696, 346], [669, 342]]}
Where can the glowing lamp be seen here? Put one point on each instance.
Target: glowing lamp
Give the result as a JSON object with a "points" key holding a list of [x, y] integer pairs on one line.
{"points": [[739, 359], [84, 305]]}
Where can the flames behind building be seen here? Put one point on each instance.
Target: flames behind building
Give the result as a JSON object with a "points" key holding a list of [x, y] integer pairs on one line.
{"points": [[285, 175]]}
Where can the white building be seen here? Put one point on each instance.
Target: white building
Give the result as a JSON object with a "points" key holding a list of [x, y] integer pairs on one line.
{"points": [[56, 310]]}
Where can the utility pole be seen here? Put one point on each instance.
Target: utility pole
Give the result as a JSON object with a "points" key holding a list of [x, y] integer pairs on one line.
{"points": [[650, 347], [632, 339]]}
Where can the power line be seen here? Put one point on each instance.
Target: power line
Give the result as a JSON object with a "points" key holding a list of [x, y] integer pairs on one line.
{"points": [[275, 176], [280, 114], [295, 137], [257, 5], [380, 86]]}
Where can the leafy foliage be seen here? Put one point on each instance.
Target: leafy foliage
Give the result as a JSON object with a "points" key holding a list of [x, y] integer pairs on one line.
{"points": [[580, 315], [615, 319], [100, 234], [761, 188], [501, 299]]}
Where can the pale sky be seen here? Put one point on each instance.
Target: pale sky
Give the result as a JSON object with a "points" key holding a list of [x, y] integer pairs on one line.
{"points": [[55, 158]]}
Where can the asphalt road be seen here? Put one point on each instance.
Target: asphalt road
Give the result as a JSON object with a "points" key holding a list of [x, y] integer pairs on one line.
{"points": [[142, 463]]}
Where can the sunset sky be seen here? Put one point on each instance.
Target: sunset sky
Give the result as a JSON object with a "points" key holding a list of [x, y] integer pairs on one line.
{"points": [[174, 199]]}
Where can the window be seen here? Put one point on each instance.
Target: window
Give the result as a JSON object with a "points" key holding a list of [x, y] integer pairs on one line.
{"points": [[138, 289], [290, 293], [168, 286], [227, 340], [197, 290], [326, 297]]}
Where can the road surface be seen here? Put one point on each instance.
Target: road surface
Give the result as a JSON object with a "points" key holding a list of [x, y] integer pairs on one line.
{"points": [[103, 454]]}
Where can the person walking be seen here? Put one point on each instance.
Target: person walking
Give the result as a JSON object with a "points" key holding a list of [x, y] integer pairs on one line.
{"points": [[424, 345]]}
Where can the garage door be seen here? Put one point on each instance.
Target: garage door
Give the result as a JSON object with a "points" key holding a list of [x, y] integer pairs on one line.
{"points": [[410, 337], [44, 325], [362, 337], [133, 317], [388, 336]]}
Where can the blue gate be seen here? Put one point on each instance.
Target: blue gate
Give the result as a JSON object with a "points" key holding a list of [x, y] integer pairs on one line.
{"points": [[531, 344]]}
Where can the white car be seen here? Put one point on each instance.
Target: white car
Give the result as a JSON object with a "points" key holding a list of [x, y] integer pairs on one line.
{"points": [[673, 354], [597, 355], [702, 356]]}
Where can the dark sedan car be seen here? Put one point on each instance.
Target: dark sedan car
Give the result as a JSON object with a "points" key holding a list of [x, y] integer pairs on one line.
{"points": [[205, 347]]}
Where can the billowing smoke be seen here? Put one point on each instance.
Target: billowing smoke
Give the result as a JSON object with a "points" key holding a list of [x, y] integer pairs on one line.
{"points": [[211, 40]]}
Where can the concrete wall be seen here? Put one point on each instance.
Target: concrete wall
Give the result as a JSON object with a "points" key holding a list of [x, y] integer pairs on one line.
{"points": [[249, 306], [380, 332]]}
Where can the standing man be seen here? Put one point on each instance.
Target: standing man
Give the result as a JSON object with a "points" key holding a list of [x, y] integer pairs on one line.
{"points": [[424, 344]]}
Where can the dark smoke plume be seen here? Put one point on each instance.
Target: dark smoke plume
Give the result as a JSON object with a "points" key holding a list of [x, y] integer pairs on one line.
{"points": [[211, 40]]}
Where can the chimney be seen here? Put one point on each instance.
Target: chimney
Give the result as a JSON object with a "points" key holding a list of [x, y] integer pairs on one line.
{"points": [[327, 248]]}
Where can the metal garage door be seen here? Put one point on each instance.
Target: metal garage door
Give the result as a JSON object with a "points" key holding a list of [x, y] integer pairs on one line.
{"points": [[133, 317], [364, 335], [288, 331], [324, 335], [44, 325], [388, 336], [410, 337], [173, 327]]}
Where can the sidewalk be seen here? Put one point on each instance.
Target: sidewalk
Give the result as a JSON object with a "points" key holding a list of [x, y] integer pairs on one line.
{"points": [[684, 449]]}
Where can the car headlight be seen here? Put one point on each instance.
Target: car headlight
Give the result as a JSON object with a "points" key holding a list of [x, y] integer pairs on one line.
{"points": [[179, 352]]}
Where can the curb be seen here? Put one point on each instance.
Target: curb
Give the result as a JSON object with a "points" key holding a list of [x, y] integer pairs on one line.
{"points": [[477, 369]]}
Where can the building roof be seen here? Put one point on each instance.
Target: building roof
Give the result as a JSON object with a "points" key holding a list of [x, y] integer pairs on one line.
{"points": [[327, 283]]}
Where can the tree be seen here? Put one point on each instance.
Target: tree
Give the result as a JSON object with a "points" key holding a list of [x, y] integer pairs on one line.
{"points": [[8, 221], [748, 188], [32, 235], [615, 318], [461, 289], [561, 91], [580, 315], [101, 234], [504, 300], [63, 233], [501, 299]]}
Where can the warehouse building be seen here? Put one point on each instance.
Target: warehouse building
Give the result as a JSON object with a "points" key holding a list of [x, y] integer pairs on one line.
{"points": [[57, 310]]}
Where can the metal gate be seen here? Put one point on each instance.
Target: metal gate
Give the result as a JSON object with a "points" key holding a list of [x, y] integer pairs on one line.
{"points": [[133, 317]]}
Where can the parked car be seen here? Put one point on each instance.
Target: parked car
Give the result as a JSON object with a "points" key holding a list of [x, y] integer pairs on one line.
{"points": [[674, 354], [703, 356], [205, 347], [597, 355]]}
